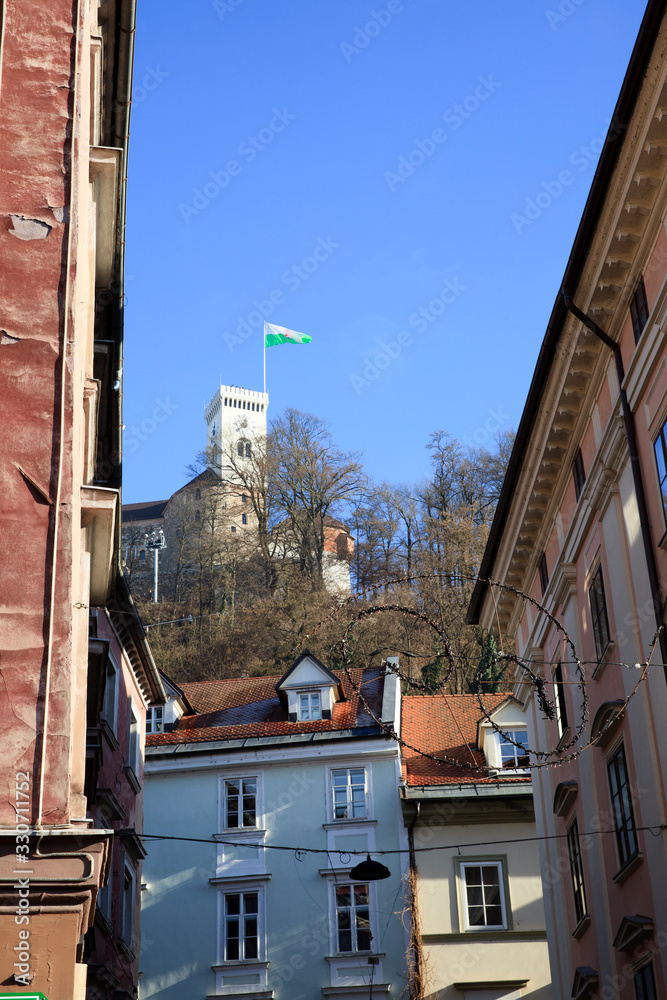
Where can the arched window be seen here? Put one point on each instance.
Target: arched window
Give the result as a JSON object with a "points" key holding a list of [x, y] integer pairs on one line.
{"points": [[244, 498], [197, 516], [248, 449], [244, 519], [239, 449], [142, 554], [197, 494], [243, 448]]}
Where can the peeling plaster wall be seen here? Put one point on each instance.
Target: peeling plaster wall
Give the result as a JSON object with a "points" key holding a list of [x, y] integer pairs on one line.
{"points": [[45, 272]]}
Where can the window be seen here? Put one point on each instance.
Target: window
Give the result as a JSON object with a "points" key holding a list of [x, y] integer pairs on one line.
{"points": [[660, 447], [544, 573], [154, 720], [244, 519], [578, 474], [639, 310], [621, 802], [133, 748], [244, 498], [349, 793], [559, 698], [645, 983], [353, 925], [240, 802], [309, 707], [110, 703], [197, 515], [248, 449], [197, 494], [599, 614], [483, 895], [142, 554], [576, 871], [512, 756], [241, 931], [239, 449], [233, 527], [127, 903]]}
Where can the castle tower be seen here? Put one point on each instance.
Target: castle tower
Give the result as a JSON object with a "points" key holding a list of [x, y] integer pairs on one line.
{"points": [[237, 415]]}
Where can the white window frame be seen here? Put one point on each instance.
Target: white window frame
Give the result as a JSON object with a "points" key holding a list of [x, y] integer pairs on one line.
{"points": [[243, 915], [500, 864], [331, 809], [492, 745], [236, 887], [310, 695], [518, 734], [150, 720], [222, 803], [371, 921]]}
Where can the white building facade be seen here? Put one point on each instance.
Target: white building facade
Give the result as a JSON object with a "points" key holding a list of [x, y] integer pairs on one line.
{"points": [[279, 786]]}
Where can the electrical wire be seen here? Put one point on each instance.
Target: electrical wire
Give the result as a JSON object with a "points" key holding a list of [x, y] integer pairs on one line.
{"points": [[399, 850]]}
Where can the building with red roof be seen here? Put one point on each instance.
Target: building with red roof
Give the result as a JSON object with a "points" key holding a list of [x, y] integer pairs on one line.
{"points": [[271, 789], [479, 928]]}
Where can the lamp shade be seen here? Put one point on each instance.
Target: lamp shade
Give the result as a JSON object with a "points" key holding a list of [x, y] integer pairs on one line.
{"points": [[369, 871]]}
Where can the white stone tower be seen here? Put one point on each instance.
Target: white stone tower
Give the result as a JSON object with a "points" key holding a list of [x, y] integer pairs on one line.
{"points": [[237, 415]]}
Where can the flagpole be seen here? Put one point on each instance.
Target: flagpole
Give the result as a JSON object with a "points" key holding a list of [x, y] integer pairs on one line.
{"points": [[264, 343]]}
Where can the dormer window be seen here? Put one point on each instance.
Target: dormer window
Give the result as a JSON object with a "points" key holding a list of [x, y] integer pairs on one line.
{"points": [[309, 706], [309, 690], [154, 720], [511, 755]]}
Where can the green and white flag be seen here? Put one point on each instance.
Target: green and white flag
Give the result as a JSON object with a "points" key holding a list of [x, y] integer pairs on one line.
{"points": [[281, 335]]}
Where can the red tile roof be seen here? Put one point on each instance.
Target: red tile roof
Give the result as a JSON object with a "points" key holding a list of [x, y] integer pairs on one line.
{"points": [[445, 727], [249, 707]]}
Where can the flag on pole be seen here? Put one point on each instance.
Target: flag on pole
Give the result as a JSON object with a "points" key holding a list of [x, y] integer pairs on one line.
{"points": [[281, 335]]}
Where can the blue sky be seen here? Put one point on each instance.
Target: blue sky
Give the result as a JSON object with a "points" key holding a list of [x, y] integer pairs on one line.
{"points": [[358, 172]]}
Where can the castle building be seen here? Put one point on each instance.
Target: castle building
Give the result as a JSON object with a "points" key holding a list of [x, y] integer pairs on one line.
{"points": [[217, 502], [235, 415]]}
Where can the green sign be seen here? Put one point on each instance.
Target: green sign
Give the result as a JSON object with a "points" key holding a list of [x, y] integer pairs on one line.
{"points": [[24, 996]]}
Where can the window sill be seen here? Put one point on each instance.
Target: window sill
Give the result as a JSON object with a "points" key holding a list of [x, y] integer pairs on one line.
{"points": [[126, 950], [368, 955], [631, 865], [564, 739], [241, 963], [131, 776], [486, 930], [103, 923], [109, 734], [337, 823], [582, 926], [603, 661], [241, 832]]}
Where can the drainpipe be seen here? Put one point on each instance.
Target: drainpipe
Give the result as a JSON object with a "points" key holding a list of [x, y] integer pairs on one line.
{"points": [[631, 436], [416, 984]]}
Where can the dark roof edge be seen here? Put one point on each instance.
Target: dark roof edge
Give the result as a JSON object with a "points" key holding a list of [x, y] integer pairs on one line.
{"points": [[632, 83], [244, 743]]}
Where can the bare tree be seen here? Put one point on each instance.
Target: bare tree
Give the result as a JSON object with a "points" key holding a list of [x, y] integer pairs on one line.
{"points": [[308, 479]]}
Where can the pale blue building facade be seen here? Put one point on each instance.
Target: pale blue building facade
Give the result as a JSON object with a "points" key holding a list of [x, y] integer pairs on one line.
{"points": [[268, 763]]}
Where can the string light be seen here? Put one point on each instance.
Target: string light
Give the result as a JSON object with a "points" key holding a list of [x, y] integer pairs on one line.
{"points": [[543, 758]]}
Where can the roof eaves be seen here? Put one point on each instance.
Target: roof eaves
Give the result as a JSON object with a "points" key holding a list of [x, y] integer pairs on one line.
{"points": [[627, 99]]}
